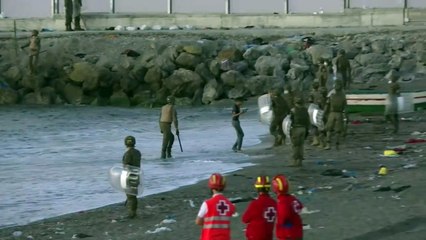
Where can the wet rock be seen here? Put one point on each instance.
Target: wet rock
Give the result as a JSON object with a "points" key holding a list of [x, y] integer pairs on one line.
{"points": [[259, 85], [120, 99], [142, 98], [408, 65], [214, 68], [194, 49], [232, 78], [395, 61], [8, 96], [379, 46], [187, 60], [421, 56], [371, 58], [153, 75], [232, 54], [12, 76], [299, 64], [265, 65], [204, 72], [183, 83], [211, 91], [237, 92], [73, 94], [131, 53]]}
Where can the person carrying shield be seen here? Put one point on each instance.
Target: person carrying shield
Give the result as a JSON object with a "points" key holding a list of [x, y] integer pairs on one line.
{"points": [[335, 108], [317, 97], [168, 115], [261, 213], [299, 130], [215, 213], [289, 223], [131, 158], [280, 109]]}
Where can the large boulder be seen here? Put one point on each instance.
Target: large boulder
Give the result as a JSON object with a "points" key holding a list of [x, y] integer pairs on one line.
{"points": [[85, 74], [33, 82], [259, 85], [232, 78], [194, 49], [8, 96], [379, 46], [12, 76], [320, 51], [73, 94], [350, 48], [375, 71], [204, 72], [183, 83], [187, 60], [265, 65], [120, 99], [212, 91], [371, 58], [299, 64], [166, 60], [421, 56], [153, 76], [231, 54], [237, 92], [214, 68]]}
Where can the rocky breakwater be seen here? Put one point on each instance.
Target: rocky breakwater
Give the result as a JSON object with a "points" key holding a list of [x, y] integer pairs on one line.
{"points": [[124, 70]]}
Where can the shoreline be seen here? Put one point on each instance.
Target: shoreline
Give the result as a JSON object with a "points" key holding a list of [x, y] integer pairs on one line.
{"points": [[348, 207]]}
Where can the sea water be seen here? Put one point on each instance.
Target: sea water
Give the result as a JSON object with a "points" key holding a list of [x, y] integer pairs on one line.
{"points": [[55, 161]]}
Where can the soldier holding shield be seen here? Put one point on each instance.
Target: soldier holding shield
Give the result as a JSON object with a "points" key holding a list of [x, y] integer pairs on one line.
{"points": [[317, 99], [132, 160]]}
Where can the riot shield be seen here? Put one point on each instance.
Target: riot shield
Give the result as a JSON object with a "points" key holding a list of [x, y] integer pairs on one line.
{"points": [[287, 127], [265, 111], [127, 179], [316, 116]]}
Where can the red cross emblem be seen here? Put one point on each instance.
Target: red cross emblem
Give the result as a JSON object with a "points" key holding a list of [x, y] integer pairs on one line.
{"points": [[222, 207], [270, 214]]}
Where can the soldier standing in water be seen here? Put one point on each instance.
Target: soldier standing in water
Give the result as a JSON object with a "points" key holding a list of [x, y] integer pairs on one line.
{"points": [[168, 115], [236, 113]]}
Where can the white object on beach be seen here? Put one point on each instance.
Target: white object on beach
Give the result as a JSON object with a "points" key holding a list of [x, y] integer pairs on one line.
{"points": [[191, 203], [130, 28], [307, 227], [119, 28], [160, 229], [17, 233], [235, 214], [144, 27], [157, 27], [168, 221], [174, 27], [305, 210]]}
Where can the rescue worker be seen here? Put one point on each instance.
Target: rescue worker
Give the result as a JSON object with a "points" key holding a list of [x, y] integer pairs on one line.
{"points": [[391, 110], [236, 113], [215, 213], [73, 10], [317, 97], [168, 115], [289, 223], [323, 73], [280, 109], [132, 157], [261, 213], [335, 107], [299, 130], [343, 69], [34, 45]]}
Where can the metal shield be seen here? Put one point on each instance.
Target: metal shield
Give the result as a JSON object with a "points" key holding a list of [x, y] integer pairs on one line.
{"points": [[127, 179], [287, 126], [265, 110], [316, 116]]}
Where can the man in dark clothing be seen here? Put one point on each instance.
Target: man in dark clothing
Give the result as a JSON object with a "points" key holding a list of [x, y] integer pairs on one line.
{"points": [[289, 96], [299, 130], [168, 115], [335, 107], [236, 112], [131, 158], [343, 69], [317, 97], [391, 110], [280, 109], [73, 10]]}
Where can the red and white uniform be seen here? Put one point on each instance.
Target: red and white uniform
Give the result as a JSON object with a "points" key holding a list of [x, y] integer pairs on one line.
{"points": [[216, 213], [289, 223], [260, 218]]}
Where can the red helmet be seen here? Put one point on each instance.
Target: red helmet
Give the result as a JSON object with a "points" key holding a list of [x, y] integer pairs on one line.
{"points": [[217, 182], [280, 184], [262, 182]]}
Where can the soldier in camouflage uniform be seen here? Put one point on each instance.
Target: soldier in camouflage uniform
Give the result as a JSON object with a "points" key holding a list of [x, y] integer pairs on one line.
{"points": [[280, 110], [132, 157], [335, 107], [299, 130]]}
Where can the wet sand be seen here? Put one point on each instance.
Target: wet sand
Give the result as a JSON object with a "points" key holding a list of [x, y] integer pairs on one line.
{"points": [[348, 207]]}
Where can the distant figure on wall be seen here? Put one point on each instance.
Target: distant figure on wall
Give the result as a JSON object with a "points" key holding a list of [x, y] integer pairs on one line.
{"points": [[73, 10]]}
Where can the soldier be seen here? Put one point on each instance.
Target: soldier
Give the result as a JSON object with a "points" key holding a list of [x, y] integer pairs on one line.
{"points": [[261, 213], [168, 115], [323, 73], [73, 9], [280, 109], [289, 96], [34, 44], [299, 130], [391, 110], [335, 107], [343, 69], [215, 213], [132, 157], [317, 97], [236, 113]]}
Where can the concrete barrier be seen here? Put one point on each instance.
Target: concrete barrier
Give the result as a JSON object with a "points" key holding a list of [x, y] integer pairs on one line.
{"points": [[351, 18]]}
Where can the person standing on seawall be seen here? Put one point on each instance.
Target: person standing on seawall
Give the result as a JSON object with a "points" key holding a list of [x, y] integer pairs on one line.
{"points": [[236, 112], [73, 10], [168, 115], [132, 157]]}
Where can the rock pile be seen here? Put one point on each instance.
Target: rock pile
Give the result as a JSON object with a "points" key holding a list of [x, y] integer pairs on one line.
{"points": [[122, 70]]}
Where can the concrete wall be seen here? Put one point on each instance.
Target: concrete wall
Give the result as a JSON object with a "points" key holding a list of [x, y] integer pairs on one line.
{"points": [[377, 3], [89, 6], [309, 6], [198, 6], [416, 3], [141, 6], [256, 6], [26, 8]]}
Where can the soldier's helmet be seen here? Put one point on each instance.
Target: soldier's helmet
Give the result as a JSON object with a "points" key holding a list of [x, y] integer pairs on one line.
{"points": [[338, 85], [34, 32], [342, 51], [298, 100], [130, 141], [315, 85], [170, 99]]}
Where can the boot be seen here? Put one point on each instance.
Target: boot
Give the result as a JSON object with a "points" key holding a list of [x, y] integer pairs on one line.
{"points": [[68, 27], [315, 141], [278, 141], [169, 153], [77, 24], [327, 146], [163, 154]]}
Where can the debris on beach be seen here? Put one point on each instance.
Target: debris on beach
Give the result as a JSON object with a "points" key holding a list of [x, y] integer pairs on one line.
{"points": [[332, 172], [305, 210], [235, 214], [17, 233], [191, 203], [410, 166], [307, 227], [389, 153], [158, 230], [240, 199], [402, 188], [415, 140], [383, 171], [81, 235]]}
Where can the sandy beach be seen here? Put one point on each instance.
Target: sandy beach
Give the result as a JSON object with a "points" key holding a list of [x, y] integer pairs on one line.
{"points": [[338, 208]]}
